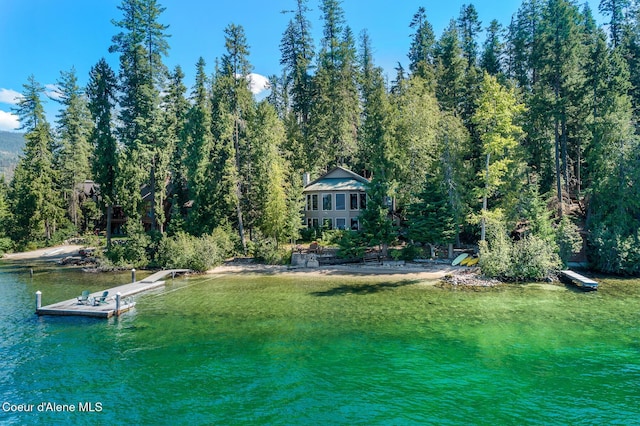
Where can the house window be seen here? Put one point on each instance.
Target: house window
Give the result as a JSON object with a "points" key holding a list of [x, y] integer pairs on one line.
{"points": [[314, 202], [341, 202], [354, 201], [309, 222], [314, 222], [327, 223], [341, 223], [326, 202], [354, 224], [363, 201], [308, 206]]}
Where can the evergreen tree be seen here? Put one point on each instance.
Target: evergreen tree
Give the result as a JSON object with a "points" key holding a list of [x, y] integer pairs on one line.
{"points": [[453, 145], [34, 193], [335, 111], [297, 53], [272, 184], [74, 153], [176, 109], [497, 118], [450, 71], [375, 145], [469, 26], [522, 34], [558, 53], [491, 60], [235, 104], [431, 217], [101, 92], [422, 50], [616, 10], [5, 212], [197, 152], [141, 45], [377, 227]]}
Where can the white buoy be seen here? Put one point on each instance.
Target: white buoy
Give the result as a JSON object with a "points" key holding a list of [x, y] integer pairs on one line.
{"points": [[38, 300]]}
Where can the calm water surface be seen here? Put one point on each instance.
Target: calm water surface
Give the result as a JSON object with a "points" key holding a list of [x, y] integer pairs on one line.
{"points": [[296, 350]]}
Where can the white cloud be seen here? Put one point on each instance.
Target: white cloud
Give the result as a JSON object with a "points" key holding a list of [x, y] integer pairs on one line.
{"points": [[53, 91], [8, 96], [8, 121], [258, 83]]}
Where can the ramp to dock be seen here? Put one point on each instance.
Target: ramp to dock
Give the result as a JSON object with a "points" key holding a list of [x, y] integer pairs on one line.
{"points": [[111, 307], [579, 280]]}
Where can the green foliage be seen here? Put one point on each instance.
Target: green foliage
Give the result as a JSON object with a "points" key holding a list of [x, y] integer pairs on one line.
{"points": [[196, 253], [530, 258], [266, 249], [614, 252], [431, 216], [532, 209], [34, 195], [412, 251], [568, 239], [6, 245], [351, 245], [134, 252], [377, 228]]}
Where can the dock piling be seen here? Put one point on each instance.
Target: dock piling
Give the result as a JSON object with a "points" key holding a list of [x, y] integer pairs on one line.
{"points": [[38, 300], [118, 295]]}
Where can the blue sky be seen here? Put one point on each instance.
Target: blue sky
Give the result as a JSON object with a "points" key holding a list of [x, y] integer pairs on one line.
{"points": [[44, 37]]}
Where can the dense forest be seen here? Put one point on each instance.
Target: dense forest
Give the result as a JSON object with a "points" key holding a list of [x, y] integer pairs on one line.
{"points": [[515, 141]]}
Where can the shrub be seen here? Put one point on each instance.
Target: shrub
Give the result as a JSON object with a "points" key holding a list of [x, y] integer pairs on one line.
{"points": [[568, 239], [612, 252], [351, 245], [196, 253], [531, 258], [266, 249], [411, 252], [6, 245]]}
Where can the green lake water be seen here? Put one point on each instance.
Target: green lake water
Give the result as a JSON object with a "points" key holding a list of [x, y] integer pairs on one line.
{"points": [[306, 351]]}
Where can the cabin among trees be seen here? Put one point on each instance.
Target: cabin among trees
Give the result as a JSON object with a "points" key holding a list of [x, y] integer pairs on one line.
{"points": [[335, 200]]}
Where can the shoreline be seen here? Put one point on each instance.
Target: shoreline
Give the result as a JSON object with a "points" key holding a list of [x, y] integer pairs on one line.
{"points": [[426, 272], [431, 273]]}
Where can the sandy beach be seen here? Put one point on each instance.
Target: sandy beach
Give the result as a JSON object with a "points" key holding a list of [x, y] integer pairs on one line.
{"points": [[431, 272], [49, 253], [416, 272]]}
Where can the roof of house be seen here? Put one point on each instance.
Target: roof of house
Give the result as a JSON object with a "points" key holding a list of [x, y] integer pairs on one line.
{"points": [[338, 179]]}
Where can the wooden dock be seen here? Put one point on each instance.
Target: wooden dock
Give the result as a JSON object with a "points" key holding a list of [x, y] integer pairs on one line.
{"points": [[579, 280], [118, 300]]}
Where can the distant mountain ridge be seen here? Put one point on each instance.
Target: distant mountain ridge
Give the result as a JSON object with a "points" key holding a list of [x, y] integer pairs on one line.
{"points": [[11, 146]]}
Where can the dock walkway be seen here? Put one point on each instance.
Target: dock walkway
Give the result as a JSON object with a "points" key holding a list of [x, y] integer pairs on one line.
{"points": [[579, 280], [114, 305]]}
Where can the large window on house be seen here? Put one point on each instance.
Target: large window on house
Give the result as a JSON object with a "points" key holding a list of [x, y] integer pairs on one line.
{"points": [[353, 201], [363, 201], [327, 223], [326, 202], [341, 223], [341, 202], [314, 222], [354, 224], [314, 202]]}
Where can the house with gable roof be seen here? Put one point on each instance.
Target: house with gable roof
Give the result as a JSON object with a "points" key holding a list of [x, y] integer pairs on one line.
{"points": [[335, 200]]}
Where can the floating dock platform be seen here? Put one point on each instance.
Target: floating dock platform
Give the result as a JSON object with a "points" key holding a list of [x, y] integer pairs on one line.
{"points": [[118, 299], [578, 280]]}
